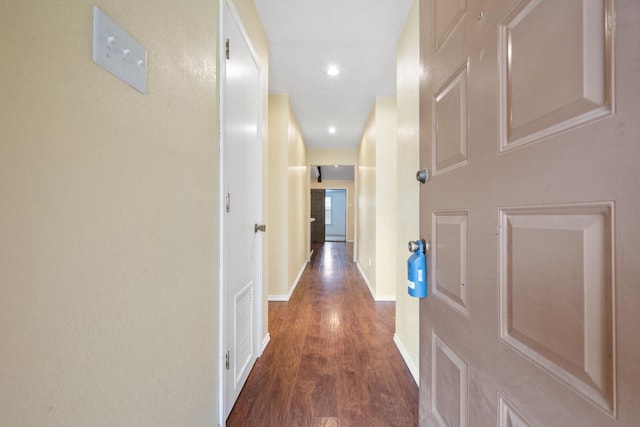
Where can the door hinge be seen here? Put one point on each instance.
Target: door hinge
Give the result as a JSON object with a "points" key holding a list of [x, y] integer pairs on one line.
{"points": [[226, 360], [227, 202], [227, 49]]}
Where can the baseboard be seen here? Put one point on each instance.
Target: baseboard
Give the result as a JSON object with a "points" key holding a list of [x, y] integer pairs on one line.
{"points": [[285, 298], [378, 298], [265, 341], [366, 280], [407, 359]]}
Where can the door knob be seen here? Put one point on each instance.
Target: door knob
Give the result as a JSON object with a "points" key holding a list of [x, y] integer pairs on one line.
{"points": [[423, 175], [261, 227], [414, 246]]}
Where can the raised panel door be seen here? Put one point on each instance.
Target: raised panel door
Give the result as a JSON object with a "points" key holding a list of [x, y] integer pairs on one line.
{"points": [[529, 122]]}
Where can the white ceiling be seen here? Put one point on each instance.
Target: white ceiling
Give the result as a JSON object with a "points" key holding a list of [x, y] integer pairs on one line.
{"points": [[306, 36]]}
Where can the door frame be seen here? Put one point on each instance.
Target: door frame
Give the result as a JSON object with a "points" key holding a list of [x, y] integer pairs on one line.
{"points": [[259, 343]]}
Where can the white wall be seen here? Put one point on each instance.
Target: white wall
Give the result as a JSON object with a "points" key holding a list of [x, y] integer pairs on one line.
{"points": [[408, 152], [109, 260]]}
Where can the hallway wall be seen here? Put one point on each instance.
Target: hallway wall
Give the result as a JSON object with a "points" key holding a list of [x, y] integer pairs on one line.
{"points": [[408, 197], [376, 217], [109, 261], [288, 227], [332, 156]]}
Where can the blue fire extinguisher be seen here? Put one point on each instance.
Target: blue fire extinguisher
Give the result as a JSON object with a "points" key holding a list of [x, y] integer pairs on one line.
{"points": [[417, 269]]}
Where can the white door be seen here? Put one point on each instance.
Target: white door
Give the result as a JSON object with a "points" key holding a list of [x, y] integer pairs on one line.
{"points": [[531, 114], [242, 245]]}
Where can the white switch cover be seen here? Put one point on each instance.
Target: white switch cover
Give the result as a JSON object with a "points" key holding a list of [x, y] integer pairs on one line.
{"points": [[116, 51]]}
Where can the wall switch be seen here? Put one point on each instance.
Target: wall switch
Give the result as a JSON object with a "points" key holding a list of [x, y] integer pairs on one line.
{"points": [[116, 51]]}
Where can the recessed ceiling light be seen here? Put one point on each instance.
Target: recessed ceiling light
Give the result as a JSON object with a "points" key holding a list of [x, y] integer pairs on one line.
{"points": [[332, 130], [333, 70], [335, 166]]}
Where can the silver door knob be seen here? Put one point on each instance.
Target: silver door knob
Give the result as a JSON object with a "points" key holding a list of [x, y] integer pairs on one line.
{"points": [[423, 175], [426, 246], [261, 227]]}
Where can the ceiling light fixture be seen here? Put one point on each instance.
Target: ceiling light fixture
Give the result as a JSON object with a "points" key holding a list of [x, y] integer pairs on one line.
{"points": [[333, 70], [332, 130]]}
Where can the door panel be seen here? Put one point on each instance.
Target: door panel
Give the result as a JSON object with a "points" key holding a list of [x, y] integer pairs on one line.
{"points": [[532, 212], [449, 258], [576, 87], [242, 245]]}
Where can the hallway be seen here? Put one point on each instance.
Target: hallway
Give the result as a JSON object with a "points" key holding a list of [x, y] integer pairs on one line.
{"points": [[331, 360]]}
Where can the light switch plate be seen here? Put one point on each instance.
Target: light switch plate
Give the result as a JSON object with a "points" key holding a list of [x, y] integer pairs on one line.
{"points": [[118, 52]]}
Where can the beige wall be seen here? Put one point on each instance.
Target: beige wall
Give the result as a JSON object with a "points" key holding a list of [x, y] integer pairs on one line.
{"points": [[260, 44], [277, 228], [350, 187], [299, 203], [288, 206], [365, 253], [332, 156], [376, 210], [386, 197], [109, 259], [408, 152]]}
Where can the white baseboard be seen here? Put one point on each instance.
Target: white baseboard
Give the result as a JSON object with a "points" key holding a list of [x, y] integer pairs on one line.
{"points": [[285, 298], [407, 359], [265, 341], [379, 298], [364, 277]]}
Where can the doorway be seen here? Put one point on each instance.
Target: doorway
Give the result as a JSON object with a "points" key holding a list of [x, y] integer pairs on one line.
{"points": [[335, 215]]}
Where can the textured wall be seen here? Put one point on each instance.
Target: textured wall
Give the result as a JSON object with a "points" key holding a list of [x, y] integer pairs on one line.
{"points": [[109, 255]]}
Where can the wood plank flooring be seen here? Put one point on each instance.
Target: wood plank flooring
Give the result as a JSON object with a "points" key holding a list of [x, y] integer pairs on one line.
{"points": [[331, 360]]}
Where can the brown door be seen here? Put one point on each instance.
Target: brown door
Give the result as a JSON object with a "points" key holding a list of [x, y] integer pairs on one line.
{"points": [[317, 212], [531, 129]]}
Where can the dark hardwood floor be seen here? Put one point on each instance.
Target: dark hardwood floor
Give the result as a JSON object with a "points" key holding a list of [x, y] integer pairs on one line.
{"points": [[331, 360]]}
